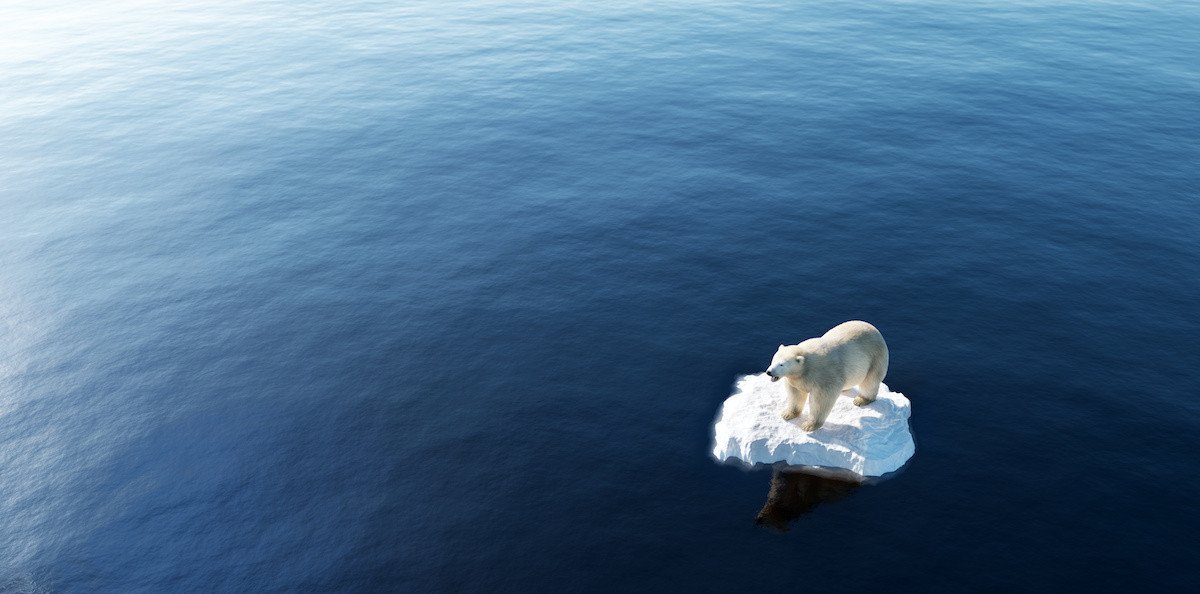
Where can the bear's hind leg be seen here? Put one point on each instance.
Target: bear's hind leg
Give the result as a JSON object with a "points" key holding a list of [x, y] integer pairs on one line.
{"points": [[820, 404], [868, 392], [869, 388]]}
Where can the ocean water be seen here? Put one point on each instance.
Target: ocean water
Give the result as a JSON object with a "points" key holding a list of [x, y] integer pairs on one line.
{"points": [[443, 296]]}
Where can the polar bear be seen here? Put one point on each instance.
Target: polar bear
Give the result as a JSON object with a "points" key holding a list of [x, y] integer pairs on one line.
{"points": [[818, 369]]}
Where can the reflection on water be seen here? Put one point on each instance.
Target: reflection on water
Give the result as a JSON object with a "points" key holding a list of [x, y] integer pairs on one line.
{"points": [[795, 493]]}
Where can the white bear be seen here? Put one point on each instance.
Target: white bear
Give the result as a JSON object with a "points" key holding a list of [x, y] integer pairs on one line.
{"points": [[819, 369]]}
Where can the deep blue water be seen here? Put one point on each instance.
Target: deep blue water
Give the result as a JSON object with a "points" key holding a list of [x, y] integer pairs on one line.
{"points": [[444, 296]]}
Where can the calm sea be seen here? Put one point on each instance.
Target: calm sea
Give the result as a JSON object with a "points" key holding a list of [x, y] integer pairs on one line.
{"points": [[444, 296]]}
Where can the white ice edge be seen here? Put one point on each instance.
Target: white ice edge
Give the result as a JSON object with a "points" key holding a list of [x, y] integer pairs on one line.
{"points": [[868, 441]]}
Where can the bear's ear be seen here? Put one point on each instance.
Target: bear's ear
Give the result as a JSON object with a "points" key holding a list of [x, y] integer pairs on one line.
{"points": [[780, 346], [799, 359]]}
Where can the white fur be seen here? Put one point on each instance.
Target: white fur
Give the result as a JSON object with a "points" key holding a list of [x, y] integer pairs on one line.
{"points": [[850, 355]]}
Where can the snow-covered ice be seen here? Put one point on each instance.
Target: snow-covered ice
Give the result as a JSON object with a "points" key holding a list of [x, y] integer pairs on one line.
{"points": [[868, 441]]}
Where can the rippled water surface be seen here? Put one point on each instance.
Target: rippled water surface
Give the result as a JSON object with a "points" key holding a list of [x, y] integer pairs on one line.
{"points": [[428, 296]]}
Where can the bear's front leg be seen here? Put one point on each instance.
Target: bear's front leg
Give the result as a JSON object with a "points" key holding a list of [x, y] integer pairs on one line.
{"points": [[795, 402], [820, 404]]}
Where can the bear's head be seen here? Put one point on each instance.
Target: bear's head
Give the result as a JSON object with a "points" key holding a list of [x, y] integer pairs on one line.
{"points": [[788, 362]]}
